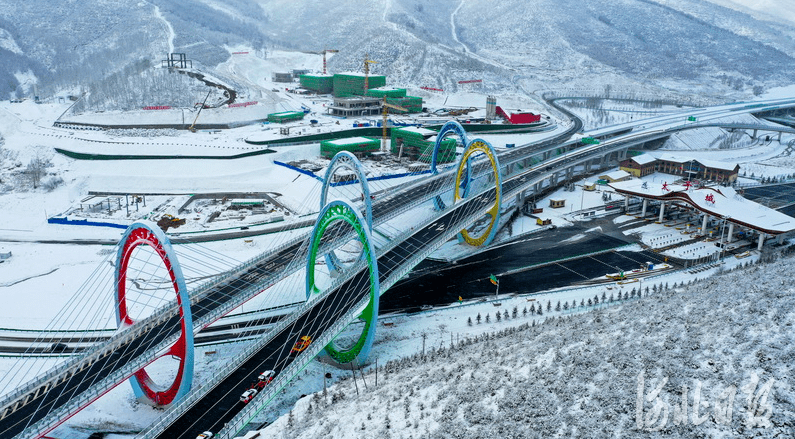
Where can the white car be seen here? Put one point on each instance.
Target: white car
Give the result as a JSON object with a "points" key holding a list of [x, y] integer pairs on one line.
{"points": [[267, 376], [205, 435], [248, 395]]}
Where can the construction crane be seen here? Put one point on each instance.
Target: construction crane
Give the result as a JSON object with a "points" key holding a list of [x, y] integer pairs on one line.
{"points": [[367, 62], [324, 52], [386, 108], [192, 128]]}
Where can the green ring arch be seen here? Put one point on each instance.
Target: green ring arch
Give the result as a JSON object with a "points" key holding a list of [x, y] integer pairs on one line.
{"points": [[340, 210]]}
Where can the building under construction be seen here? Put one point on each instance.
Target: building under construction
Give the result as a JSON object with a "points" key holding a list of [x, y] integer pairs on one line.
{"points": [[352, 83], [318, 83], [356, 106], [418, 143]]}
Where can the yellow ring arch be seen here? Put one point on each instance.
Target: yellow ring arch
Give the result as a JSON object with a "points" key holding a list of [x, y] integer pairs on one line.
{"points": [[479, 145]]}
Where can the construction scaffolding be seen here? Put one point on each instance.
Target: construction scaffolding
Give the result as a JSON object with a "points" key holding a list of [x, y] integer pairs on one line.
{"points": [[418, 143], [285, 116], [319, 83], [352, 83], [388, 92], [412, 104], [359, 146]]}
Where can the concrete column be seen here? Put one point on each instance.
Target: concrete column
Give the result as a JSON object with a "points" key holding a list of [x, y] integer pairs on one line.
{"points": [[780, 239], [704, 224], [761, 241], [731, 233], [645, 205], [569, 173], [754, 136], [662, 212], [779, 137], [588, 166], [626, 202]]}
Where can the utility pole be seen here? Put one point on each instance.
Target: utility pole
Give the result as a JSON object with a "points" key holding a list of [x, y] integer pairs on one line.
{"points": [[354, 379], [423, 343], [361, 373]]}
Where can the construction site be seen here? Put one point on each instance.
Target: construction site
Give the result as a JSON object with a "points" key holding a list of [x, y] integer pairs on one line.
{"points": [[298, 104]]}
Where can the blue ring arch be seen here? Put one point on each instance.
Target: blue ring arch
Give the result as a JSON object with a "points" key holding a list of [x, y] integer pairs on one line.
{"points": [[341, 210], [345, 159], [449, 127]]}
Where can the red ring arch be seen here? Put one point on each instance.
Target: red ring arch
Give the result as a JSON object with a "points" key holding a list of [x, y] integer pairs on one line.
{"points": [[144, 233]]}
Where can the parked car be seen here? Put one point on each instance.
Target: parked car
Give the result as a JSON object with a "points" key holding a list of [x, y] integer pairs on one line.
{"points": [[205, 435], [301, 344], [248, 395]]}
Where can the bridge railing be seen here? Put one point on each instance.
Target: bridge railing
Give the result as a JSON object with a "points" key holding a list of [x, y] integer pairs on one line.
{"points": [[285, 376], [200, 392]]}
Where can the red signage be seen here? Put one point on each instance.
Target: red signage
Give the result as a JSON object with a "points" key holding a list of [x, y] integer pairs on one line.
{"points": [[471, 81], [239, 53], [158, 107], [242, 104], [431, 89]]}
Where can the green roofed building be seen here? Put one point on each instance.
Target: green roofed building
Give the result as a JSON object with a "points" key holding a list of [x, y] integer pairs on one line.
{"points": [[285, 116], [417, 144], [352, 83], [389, 92], [359, 146], [319, 83]]}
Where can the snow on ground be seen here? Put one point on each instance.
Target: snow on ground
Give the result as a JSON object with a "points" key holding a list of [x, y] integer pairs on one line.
{"points": [[583, 374]]}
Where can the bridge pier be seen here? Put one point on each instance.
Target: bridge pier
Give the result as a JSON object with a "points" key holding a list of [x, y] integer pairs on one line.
{"points": [[754, 135]]}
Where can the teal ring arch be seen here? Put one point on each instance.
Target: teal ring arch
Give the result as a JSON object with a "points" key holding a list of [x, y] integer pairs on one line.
{"points": [[340, 210], [497, 183], [449, 127], [345, 159]]}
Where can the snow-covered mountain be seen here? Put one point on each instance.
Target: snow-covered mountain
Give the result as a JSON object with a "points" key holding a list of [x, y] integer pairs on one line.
{"points": [[517, 45]]}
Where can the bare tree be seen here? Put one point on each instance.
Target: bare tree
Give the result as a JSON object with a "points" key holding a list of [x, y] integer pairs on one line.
{"points": [[36, 169]]}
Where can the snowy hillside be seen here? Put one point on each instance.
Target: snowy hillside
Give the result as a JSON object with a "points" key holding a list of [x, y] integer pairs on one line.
{"points": [[512, 45], [616, 372]]}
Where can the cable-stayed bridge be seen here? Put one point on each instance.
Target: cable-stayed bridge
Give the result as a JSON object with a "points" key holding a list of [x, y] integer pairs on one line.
{"points": [[454, 199]]}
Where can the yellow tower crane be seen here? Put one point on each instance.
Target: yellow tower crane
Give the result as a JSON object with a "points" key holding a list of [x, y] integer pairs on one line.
{"points": [[386, 108], [367, 62], [323, 52]]}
